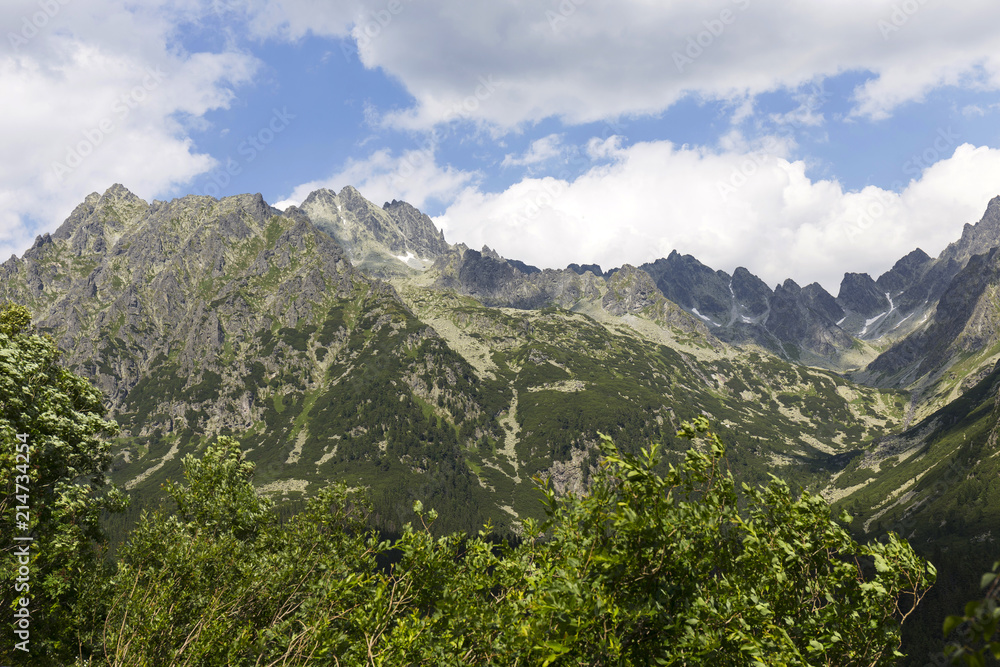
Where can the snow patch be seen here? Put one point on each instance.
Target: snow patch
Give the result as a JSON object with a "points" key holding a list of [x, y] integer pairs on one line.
{"points": [[901, 321], [868, 323], [707, 319]]}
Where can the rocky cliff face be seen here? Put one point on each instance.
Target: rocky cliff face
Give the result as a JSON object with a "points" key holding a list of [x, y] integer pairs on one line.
{"points": [[125, 285], [201, 316], [742, 309], [804, 316], [752, 295], [976, 239], [694, 286], [965, 321], [380, 241], [632, 291], [859, 293], [905, 273], [495, 281]]}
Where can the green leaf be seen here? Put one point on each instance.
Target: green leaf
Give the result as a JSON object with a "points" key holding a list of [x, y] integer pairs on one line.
{"points": [[950, 623]]}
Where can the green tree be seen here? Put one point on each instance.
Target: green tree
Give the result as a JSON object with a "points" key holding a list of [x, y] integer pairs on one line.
{"points": [[977, 627], [649, 569], [53, 462], [644, 569], [219, 580]]}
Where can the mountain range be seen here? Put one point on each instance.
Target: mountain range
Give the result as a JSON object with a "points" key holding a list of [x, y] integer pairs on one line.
{"points": [[343, 340]]}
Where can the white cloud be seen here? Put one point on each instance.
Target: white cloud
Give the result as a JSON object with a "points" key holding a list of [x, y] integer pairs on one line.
{"points": [[293, 19], [99, 94], [412, 176], [541, 150], [586, 61], [728, 209]]}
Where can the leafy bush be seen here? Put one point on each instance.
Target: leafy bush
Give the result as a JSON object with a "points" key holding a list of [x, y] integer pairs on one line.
{"points": [[977, 627], [52, 464], [645, 569]]}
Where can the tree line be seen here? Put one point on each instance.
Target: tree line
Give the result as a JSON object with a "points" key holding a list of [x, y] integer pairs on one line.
{"points": [[671, 565]]}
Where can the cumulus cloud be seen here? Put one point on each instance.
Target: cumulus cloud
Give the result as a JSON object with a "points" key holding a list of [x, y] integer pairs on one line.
{"points": [[412, 176], [586, 61], [99, 94], [541, 150], [728, 209]]}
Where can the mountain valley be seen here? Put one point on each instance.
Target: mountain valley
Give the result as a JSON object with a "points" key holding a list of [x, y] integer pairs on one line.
{"points": [[340, 340]]}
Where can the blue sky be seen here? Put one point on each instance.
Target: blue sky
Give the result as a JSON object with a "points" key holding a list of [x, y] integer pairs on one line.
{"points": [[800, 140]]}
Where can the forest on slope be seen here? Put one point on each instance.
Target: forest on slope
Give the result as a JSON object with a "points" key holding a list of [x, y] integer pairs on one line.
{"points": [[656, 564]]}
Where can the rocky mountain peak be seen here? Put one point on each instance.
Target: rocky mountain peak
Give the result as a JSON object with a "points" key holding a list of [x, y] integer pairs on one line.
{"points": [[350, 195], [965, 320], [750, 292], [789, 286], [119, 206], [905, 272], [978, 238], [859, 293], [581, 269], [630, 291], [822, 302], [692, 285], [802, 316], [100, 220], [376, 239], [417, 228]]}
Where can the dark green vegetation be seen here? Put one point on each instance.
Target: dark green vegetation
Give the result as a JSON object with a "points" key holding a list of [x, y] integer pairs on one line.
{"points": [[53, 487], [200, 318], [976, 629], [934, 484], [644, 569], [225, 317]]}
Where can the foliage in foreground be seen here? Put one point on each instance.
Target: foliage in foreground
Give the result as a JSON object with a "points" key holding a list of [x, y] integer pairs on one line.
{"points": [[646, 569], [53, 456], [977, 627]]}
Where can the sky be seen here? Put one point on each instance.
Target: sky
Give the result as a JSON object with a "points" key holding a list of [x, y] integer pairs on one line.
{"points": [[798, 139]]}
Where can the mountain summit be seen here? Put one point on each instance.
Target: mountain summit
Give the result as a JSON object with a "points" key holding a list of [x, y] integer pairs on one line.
{"points": [[376, 239], [344, 340]]}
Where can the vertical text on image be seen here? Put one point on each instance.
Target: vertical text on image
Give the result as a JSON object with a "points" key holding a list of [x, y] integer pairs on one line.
{"points": [[22, 552]]}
